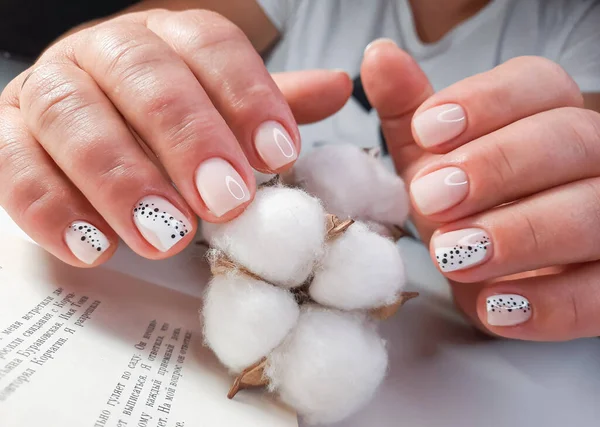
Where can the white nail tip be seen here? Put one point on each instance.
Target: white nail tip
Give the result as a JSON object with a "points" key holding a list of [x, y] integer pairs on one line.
{"points": [[85, 241], [161, 223], [507, 309]]}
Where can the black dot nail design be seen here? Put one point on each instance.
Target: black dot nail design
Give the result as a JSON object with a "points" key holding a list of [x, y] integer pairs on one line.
{"points": [[78, 237], [462, 256], [162, 234]]}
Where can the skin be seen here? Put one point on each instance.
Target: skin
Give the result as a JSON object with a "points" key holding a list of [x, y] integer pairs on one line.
{"points": [[76, 143]]}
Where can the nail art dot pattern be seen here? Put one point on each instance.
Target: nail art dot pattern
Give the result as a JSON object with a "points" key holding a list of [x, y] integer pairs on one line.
{"points": [[146, 212], [462, 256], [85, 241], [88, 232], [161, 223], [507, 310], [502, 305]]}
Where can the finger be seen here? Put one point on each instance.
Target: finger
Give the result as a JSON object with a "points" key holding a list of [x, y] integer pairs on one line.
{"points": [[531, 155], [486, 102], [544, 308], [161, 99], [395, 86], [466, 297], [522, 236], [86, 137], [314, 95], [235, 78], [43, 203]]}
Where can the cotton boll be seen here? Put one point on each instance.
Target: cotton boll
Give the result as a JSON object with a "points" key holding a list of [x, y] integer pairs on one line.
{"points": [[329, 366], [244, 319], [352, 183], [279, 237], [360, 269]]}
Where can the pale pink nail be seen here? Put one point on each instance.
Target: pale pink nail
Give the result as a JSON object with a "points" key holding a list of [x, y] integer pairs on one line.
{"points": [[507, 310], [220, 186], [460, 249], [274, 145], [439, 190], [85, 241], [161, 223], [440, 124]]}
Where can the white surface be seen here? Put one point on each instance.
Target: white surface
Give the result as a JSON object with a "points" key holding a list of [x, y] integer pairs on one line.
{"points": [[441, 372]]}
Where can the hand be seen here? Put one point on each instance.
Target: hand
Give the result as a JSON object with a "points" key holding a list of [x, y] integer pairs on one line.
{"points": [[506, 166], [133, 126]]}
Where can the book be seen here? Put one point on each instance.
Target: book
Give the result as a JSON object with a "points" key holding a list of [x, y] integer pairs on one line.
{"points": [[98, 348]]}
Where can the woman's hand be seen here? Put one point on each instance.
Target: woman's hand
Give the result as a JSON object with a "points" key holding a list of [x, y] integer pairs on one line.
{"points": [[506, 166], [133, 126]]}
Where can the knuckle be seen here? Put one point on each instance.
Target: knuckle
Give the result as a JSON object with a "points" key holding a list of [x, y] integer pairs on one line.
{"points": [[121, 51], [119, 177], [590, 238], [498, 162], [556, 77], [125, 58], [31, 198], [203, 28], [246, 102], [533, 238], [584, 132], [182, 135], [51, 99]]}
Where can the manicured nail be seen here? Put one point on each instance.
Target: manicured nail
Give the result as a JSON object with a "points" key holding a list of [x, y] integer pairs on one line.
{"points": [[460, 249], [382, 40], [274, 145], [85, 241], [440, 124], [161, 223], [220, 186], [507, 310], [439, 190]]}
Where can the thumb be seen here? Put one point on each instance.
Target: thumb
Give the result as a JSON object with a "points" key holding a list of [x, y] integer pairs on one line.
{"points": [[314, 95], [395, 86]]}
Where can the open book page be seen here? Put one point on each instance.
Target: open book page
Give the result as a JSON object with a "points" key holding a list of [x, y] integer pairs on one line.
{"points": [[93, 347]]}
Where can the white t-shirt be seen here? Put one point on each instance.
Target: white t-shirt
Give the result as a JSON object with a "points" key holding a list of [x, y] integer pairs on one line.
{"points": [[333, 34]]}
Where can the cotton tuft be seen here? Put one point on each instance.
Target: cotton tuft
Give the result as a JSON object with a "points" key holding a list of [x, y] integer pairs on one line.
{"points": [[360, 270], [329, 366], [279, 237], [352, 183], [244, 319]]}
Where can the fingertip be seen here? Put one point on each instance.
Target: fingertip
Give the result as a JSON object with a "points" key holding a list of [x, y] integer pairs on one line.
{"points": [[393, 80]]}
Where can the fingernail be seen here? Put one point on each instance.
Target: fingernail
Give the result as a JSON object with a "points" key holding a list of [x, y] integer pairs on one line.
{"points": [[161, 223], [382, 40], [85, 241], [440, 124], [274, 145], [507, 310], [439, 190], [220, 186], [460, 249]]}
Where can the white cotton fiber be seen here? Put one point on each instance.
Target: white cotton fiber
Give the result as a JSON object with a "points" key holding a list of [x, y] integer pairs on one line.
{"points": [[329, 366], [244, 319], [352, 183], [279, 237], [360, 270]]}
